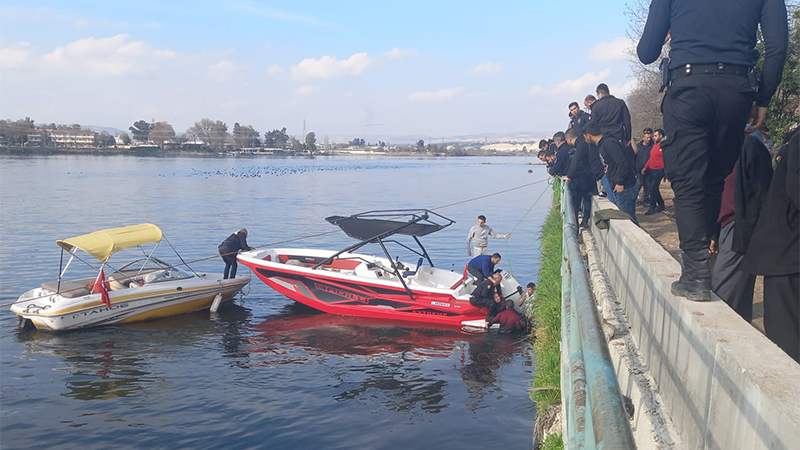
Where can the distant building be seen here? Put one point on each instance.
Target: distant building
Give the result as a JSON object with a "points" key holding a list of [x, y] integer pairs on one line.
{"points": [[72, 138], [35, 140]]}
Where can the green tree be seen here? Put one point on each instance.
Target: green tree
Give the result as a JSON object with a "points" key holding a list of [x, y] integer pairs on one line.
{"points": [[161, 132], [103, 139], [245, 136], [16, 132], [420, 145], [276, 138], [311, 142], [213, 132], [125, 139], [782, 115], [140, 131]]}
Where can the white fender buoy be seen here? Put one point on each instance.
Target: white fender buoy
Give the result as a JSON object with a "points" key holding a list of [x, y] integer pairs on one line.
{"points": [[216, 302]]}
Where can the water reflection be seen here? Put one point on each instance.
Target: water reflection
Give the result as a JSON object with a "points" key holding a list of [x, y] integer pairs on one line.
{"points": [[116, 361], [385, 357]]}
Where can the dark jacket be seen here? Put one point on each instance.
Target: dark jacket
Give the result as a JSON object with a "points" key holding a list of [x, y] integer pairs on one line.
{"points": [[774, 249], [580, 121], [642, 155], [485, 291], [612, 116], [619, 162], [579, 166], [563, 157], [235, 242], [753, 176], [718, 31]]}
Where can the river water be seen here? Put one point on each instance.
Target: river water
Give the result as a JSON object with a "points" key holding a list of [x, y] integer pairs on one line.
{"points": [[264, 372]]}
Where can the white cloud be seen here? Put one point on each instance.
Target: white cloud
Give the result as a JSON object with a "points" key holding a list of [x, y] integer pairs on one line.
{"points": [[589, 80], [613, 50], [441, 94], [15, 55], [487, 68], [622, 90], [535, 90], [306, 90], [274, 70], [223, 71], [103, 57], [330, 67], [399, 53], [81, 23]]}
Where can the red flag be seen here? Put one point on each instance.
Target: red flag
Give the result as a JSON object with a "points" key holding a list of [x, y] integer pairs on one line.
{"points": [[100, 286]]}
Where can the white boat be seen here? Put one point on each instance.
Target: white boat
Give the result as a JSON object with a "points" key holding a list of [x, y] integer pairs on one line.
{"points": [[143, 288]]}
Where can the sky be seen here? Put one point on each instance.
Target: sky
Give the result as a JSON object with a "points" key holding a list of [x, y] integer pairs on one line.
{"points": [[370, 69]]}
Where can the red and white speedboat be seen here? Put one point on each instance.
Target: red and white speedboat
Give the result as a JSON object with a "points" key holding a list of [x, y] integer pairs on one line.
{"points": [[357, 284]]}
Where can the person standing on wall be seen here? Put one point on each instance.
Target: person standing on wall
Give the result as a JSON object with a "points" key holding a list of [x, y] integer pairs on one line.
{"points": [[709, 95], [478, 237]]}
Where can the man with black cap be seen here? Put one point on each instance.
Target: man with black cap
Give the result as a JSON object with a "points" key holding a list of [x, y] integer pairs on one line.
{"points": [[709, 95]]}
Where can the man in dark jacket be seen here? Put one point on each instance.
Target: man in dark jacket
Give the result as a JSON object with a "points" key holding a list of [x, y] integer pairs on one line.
{"points": [[228, 250], [708, 100], [774, 251], [483, 295], [578, 118], [563, 155], [611, 115], [582, 184], [642, 151], [619, 162], [745, 192]]}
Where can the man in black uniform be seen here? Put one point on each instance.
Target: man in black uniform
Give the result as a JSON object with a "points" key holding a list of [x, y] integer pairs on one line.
{"points": [[578, 119], [228, 250], [612, 116], [706, 107], [563, 155], [642, 151]]}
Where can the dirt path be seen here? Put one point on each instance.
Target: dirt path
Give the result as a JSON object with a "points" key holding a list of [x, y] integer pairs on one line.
{"points": [[662, 228]]}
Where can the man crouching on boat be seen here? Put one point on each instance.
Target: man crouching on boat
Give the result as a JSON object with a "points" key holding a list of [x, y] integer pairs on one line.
{"points": [[228, 250], [484, 295]]}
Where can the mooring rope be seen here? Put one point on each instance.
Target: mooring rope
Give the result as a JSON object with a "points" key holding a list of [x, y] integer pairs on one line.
{"points": [[272, 244]]}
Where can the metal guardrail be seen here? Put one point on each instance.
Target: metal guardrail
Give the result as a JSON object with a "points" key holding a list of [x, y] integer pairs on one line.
{"points": [[594, 412]]}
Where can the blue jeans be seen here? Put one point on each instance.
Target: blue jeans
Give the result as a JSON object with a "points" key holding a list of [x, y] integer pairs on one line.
{"points": [[609, 190], [626, 201]]}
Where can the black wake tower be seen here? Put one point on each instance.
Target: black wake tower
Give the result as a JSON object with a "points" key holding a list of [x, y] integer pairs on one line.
{"points": [[376, 226]]}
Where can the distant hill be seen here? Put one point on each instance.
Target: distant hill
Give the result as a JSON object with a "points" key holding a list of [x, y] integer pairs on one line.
{"points": [[111, 130], [528, 136]]}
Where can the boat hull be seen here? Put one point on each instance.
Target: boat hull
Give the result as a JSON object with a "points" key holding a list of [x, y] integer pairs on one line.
{"points": [[49, 311], [353, 295]]}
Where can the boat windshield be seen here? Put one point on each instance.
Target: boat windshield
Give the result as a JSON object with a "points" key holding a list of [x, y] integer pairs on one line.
{"points": [[154, 265]]}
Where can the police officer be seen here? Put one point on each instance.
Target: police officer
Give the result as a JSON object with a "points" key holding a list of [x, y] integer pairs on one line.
{"points": [[706, 107]]}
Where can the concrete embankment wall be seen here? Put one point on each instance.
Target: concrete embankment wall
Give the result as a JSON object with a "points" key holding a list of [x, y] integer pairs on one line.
{"points": [[726, 386]]}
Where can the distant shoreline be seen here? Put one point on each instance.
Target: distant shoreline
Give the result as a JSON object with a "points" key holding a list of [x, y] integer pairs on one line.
{"points": [[24, 151]]}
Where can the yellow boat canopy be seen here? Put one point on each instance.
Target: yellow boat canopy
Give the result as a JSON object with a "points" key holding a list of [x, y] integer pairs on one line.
{"points": [[104, 243]]}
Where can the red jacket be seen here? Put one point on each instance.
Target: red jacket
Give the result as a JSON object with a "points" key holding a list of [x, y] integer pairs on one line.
{"points": [[656, 160]]}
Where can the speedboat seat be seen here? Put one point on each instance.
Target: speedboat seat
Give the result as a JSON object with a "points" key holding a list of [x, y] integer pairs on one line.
{"points": [[408, 273]]}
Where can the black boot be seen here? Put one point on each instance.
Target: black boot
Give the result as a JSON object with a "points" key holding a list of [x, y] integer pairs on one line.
{"points": [[695, 281]]}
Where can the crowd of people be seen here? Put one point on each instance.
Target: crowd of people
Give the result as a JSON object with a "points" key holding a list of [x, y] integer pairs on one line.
{"points": [[731, 198]]}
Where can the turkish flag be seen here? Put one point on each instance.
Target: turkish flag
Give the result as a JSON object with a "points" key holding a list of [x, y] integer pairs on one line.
{"points": [[100, 286]]}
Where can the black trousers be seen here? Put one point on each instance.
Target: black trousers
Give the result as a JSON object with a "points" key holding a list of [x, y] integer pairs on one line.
{"points": [[704, 119], [734, 286], [782, 312], [652, 191], [476, 273], [230, 263], [581, 190]]}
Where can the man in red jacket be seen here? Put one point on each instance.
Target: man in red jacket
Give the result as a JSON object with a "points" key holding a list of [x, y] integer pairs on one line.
{"points": [[655, 168]]}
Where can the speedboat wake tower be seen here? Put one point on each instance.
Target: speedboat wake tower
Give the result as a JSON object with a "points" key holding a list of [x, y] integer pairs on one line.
{"points": [[358, 284]]}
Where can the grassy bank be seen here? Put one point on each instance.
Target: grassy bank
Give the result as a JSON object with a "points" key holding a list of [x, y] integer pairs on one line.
{"points": [[547, 313]]}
